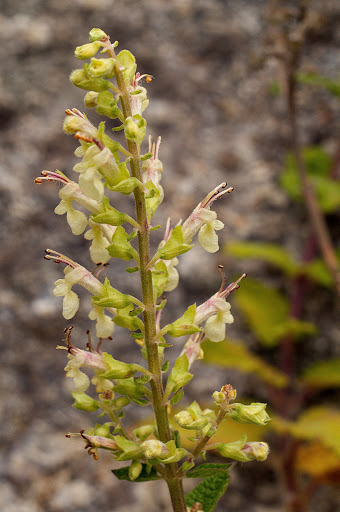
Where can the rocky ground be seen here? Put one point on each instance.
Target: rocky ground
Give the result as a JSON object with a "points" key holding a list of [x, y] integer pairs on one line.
{"points": [[211, 103]]}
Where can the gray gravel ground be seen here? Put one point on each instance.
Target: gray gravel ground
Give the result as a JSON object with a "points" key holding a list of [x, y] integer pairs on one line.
{"points": [[211, 104]]}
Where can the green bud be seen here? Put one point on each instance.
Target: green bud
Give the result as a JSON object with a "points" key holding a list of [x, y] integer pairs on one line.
{"points": [[135, 469], [130, 449], [101, 68], [218, 396], [234, 450], [131, 129], [256, 450], [153, 449], [96, 34], [143, 432], [87, 50], [186, 420], [81, 80], [179, 375], [127, 186], [90, 99], [254, 413], [103, 430], [107, 106], [120, 402], [84, 402]]}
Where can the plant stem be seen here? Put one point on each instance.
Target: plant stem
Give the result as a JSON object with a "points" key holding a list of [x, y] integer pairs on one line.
{"points": [[174, 483]]}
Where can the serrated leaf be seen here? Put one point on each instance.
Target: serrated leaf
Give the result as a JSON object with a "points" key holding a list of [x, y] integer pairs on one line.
{"points": [[234, 354], [316, 423], [267, 312], [323, 374], [207, 469], [208, 492], [271, 253], [123, 474]]}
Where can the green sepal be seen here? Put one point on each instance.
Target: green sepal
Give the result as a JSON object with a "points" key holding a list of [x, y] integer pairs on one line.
{"points": [[179, 375], [118, 128], [87, 50], [84, 402], [120, 402], [111, 298], [145, 476], [122, 175], [165, 367], [108, 142], [131, 270], [120, 247], [164, 344], [127, 186], [128, 63], [124, 319], [147, 156], [130, 388], [130, 449], [177, 397], [153, 198], [80, 79], [117, 369], [208, 492], [137, 335], [107, 106], [135, 128], [174, 246], [160, 279], [161, 305], [110, 215], [154, 228], [183, 325], [101, 68]]}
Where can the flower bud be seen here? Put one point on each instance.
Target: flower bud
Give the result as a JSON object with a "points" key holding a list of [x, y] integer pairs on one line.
{"points": [[254, 413], [234, 450], [79, 79], [87, 50], [131, 129], [186, 420], [256, 450], [143, 432], [84, 402], [90, 99], [96, 34], [153, 449], [119, 403], [101, 68], [135, 469]]}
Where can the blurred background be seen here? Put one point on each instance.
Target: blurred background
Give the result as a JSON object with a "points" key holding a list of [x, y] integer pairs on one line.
{"points": [[218, 101]]}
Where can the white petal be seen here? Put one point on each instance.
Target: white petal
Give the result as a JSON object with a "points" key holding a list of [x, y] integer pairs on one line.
{"points": [[70, 305], [208, 238], [61, 208], [77, 221], [214, 329], [61, 288]]}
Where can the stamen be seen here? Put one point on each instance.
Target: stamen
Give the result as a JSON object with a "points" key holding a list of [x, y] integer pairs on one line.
{"points": [[220, 268], [232, 286], [59, 258], [52, 176], [167, 229], [89, 344], [74, 112], [215, 194]]}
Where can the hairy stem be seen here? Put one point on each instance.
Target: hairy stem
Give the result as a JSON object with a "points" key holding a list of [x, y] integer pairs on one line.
{"points": [[174, 483]]}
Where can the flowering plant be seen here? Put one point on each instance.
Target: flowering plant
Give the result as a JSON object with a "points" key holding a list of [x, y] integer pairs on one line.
{"points": [[155, 450]]}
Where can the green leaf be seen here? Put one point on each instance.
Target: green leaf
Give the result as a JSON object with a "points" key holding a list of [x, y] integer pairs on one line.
{"points": [[318, 164], [207, 469], [125, 187], [271, 253], [177, 397], [327, 83], [234, 354], [316, 423], [208, 492], [179, 375], [145, 476], [117, 369], [84, 402], [183, 325], [128, 321], [174, 246], [267, 312], [324, 374]]}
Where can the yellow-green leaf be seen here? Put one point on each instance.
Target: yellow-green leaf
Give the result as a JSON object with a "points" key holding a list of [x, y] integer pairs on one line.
{"points": [[234, 354], [316, 423], [323, 374]]}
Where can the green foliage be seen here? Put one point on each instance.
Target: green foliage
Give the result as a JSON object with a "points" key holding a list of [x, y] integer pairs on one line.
{"points": [[210, 490], [179, 375], [318, 164], [184, 325], [234, 354], [174, 246], [111, 298], [267, 312], [333, 86], [207, 469], [324, 374]]}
